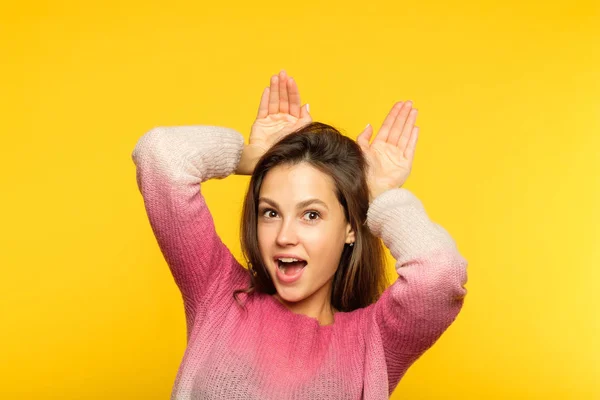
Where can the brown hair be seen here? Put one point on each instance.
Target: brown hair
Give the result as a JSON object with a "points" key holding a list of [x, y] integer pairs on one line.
{"points": [[360, 277]]}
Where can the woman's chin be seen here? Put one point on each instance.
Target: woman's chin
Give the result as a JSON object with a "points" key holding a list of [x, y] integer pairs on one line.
{"points": [[289, 295]]}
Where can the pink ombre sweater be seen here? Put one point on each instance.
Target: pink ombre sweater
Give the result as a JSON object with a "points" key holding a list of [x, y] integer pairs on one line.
{"points": [[268, 352]]}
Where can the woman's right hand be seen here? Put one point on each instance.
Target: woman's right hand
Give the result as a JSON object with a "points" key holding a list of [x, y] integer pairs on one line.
{"points": [[279, 114]]}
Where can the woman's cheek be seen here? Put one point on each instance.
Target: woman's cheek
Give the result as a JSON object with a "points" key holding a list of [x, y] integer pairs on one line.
{"points": [[315, 238], [264, 245]]}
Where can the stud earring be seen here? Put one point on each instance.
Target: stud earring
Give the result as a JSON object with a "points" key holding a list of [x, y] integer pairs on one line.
{"points": [[351, 244]]}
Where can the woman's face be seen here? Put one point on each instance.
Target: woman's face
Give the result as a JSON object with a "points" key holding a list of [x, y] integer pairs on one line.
{"points": [[299, 217]]}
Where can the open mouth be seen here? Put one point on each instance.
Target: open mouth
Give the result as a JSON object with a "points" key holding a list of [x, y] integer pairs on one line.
{"points": [[290, 266]]}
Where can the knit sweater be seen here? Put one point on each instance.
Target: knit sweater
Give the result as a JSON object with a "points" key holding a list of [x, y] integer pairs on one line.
{"points": [[267, 351]]}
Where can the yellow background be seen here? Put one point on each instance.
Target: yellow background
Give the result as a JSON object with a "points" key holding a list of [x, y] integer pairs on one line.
{"points": [[508, 162]]}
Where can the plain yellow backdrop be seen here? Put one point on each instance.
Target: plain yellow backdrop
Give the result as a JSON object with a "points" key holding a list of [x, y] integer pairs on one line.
{"points": [[508, 161]]}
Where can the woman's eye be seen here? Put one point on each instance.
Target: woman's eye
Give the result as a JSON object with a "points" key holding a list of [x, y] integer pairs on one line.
{"points": [[269, 213], [312, 215]]}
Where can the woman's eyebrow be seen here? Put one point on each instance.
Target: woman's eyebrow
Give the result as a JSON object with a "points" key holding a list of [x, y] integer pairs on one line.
{"points": [[302, 204]]}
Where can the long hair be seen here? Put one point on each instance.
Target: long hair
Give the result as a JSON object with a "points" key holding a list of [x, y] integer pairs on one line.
{"points": [[360, 277]]}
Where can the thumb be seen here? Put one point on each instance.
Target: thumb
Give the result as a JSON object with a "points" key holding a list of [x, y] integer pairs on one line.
{"points": [[365, 136], [305, 113]]}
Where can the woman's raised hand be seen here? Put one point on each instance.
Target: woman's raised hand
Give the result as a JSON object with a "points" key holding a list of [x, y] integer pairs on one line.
{"points": [[390, 155], [280, 113]]}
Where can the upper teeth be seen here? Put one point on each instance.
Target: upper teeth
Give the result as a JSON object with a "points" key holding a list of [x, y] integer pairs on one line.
{"points": [[288, 259]]}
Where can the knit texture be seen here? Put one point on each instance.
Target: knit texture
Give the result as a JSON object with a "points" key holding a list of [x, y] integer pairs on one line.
{"points": [[267, 351]]}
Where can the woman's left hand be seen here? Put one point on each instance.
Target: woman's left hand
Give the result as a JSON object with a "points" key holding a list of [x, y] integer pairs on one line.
{"points": [[390, 155]]}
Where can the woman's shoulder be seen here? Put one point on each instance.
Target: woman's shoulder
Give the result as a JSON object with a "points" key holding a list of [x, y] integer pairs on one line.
{"points": [[360, 317]]}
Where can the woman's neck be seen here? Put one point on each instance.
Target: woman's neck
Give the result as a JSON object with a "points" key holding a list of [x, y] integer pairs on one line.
{"points": [[317, 306]]}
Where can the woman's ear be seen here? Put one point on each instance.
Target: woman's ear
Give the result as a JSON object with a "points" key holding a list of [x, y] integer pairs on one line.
{"points": [[350, 236]]}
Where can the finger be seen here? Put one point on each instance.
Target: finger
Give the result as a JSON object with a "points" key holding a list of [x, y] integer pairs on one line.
{"points": [[294, 98], [384, 131], [407, 130], [263, 108], [274, 95], [284, 104], [305, 116], [412, 144], [398, 126], [365, 136]]}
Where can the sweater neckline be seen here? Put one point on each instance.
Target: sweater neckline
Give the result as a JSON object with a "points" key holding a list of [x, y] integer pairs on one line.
{"points": [[301, 318]]}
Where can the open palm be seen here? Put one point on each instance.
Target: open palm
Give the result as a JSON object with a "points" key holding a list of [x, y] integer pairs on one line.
{"points": [[390, 155], [279, 114]]}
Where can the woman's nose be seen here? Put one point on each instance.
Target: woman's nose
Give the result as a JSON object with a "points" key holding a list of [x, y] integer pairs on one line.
{"points": [[287, 234]]}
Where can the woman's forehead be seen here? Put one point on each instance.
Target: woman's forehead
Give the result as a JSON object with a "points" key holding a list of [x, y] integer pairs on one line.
{"points": [[296, 183]]}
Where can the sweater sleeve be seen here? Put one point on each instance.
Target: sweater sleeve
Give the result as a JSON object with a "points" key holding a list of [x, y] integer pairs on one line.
{"points": [[171, 163], [429, 291]]}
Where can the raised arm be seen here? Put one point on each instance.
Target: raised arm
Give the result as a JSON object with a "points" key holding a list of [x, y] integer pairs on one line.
{"points": [[171, 164], [429, 292]]}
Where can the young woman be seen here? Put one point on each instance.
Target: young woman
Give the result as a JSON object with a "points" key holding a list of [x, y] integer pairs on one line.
{"points": [[311, 317]]}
